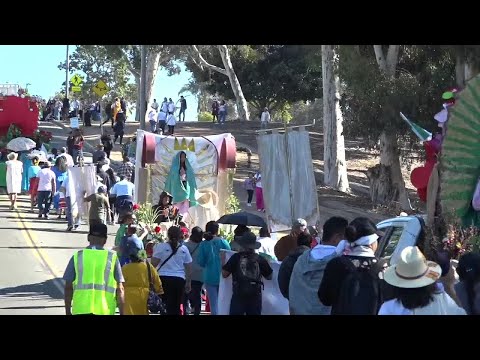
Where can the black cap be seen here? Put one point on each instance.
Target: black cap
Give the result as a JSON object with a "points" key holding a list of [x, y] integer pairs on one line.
{"points": [[99, 230], [248, 241]]}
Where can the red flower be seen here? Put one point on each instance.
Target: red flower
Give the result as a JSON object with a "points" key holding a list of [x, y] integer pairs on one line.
{"points": [[157, 229], [136, 206]]}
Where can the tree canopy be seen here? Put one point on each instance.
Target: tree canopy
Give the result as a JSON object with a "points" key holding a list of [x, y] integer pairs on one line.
{"points": [[270, 75]]}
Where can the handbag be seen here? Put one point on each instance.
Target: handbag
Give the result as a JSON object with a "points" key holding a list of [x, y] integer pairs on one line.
{"points": [[154, 302]]}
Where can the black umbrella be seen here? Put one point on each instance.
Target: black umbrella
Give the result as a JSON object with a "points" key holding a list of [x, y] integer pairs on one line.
{"points": [[243, 218]]}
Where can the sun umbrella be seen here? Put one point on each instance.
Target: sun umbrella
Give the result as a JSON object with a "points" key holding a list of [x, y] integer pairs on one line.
{"points": [[42, 157], [21, 144], [242, 218]]}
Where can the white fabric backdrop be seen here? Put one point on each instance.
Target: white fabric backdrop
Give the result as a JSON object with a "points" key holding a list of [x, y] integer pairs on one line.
{"points": [[273, 164], [81, 180], [275, 179], [273, 302], [305, 199]]}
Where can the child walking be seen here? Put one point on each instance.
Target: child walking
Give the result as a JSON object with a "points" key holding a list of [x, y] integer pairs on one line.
{"points": [[249, 185]]}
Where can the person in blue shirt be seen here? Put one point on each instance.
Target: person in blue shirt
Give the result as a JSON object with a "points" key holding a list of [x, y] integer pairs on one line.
{"points": [[130, 244], [209, 260]]}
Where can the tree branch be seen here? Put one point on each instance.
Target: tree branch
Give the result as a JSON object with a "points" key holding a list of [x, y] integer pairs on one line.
{"points": [[380, 57], [129, 65], [207, 64]]}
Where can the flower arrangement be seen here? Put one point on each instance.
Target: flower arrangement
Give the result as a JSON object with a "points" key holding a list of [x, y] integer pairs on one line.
{"points": [[147, 215], [460, 239], [43, 136], [13, 132]]}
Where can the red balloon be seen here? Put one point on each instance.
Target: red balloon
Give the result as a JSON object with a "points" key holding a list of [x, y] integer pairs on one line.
{"points": [[419, 177], [422, 194]]}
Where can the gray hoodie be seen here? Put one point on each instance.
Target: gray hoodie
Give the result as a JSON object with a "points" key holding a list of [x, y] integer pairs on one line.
{"points": [[306, 278]]}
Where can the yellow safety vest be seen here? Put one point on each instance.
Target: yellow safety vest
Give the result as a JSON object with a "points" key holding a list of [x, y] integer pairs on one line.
{"points": [[95, 286]]}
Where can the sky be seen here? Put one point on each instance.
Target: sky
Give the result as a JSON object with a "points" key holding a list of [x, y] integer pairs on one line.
{"points": [[37, 65]]}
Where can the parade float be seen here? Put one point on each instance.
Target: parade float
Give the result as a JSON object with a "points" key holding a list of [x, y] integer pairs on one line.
{"points": [[202, 191], [448, 182]]}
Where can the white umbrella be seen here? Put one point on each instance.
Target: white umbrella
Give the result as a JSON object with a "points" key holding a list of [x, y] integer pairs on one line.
{"points": [[21, 144], [42, 157]]}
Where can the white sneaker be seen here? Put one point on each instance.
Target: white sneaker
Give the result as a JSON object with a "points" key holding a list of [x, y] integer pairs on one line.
{"points": [[248, 204]]}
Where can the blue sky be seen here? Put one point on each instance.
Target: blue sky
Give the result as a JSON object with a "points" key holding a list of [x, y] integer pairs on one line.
{"points": [[38, 66]]}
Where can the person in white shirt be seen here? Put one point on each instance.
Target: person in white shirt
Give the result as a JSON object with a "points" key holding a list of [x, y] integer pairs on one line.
{"points": [[265, 118], [162, 121], [164, 106], [414, 280], [152, 117], [171, 106], [76, 107], [267, 244], [155, 104], [63, 152], [174, 264], [123, 192], [46, 189], [171, 122]]}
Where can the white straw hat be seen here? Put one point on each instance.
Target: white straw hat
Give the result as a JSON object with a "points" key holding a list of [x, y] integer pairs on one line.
{"points": [[412, 270]]}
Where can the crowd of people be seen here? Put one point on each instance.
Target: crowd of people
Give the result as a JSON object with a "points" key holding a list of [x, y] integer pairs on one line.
{"points": [[163, 115]]}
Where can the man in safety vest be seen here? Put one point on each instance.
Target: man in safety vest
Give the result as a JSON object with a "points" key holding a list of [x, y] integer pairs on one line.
{"points": [[93, 278]]}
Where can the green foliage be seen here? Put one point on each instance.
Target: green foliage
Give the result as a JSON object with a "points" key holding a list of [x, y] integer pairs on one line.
{"points": [[147, 214], [205, 116], [285, 114], [270, 75], [233, 205], [371, 102]]}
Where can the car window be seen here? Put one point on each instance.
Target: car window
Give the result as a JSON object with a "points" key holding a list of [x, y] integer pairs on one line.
{"points": [[392, 241]]}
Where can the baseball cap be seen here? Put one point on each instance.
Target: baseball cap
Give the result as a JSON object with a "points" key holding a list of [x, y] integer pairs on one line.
{"points": [[99, 230], [299, 223]]}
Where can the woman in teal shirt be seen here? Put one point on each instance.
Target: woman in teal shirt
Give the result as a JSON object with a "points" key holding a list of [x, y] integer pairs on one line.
{"points": [[209, 259]]}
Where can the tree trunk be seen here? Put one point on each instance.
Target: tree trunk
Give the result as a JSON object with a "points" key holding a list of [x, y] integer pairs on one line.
{"points": [[460, 69], [334, 164], [470, 70], [242, 104], [153, 64], [386, 179], [137, 102]]}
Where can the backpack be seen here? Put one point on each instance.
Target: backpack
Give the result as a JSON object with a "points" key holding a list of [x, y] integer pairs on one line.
{"points": [[360, 292], [248, 278]]}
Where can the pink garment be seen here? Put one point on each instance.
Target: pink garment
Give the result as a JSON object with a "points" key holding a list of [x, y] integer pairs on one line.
{"points": [[183, 207], [259, 198]]}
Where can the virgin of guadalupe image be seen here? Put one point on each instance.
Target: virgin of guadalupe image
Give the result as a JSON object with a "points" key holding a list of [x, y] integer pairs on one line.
{"points": [[181, 183]]}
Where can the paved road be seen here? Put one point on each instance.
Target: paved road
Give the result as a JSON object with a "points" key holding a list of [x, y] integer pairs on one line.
{"points": [[34, 254]]}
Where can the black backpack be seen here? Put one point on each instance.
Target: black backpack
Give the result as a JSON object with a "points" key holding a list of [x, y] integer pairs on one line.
{"points": [[248, 278], [360, 292]]}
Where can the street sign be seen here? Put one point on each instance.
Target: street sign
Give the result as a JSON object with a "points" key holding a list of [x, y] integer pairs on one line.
{"points": [[76, 88], [76, 80], [100, 88]]}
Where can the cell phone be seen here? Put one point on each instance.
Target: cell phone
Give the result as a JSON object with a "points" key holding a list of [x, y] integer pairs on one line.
{"points": [[443, 259]]}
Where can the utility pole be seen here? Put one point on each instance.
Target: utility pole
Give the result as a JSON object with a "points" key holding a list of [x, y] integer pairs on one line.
{"points": [[143, 87], [66, 74]]}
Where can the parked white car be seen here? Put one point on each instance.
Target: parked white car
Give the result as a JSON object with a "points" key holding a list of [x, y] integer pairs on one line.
{"points": [[400, 232]]}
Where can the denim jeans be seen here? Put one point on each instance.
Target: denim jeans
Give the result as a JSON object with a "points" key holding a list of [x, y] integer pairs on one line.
{"points": [[44, 199], [222, 116], [153, 125], [241, 306], [77, 155], [212, 293]]}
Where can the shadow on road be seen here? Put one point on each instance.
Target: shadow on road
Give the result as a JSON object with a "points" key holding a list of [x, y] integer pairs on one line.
{"points": [[43, 247], [49, 230], [45, 289], [31, 307]]}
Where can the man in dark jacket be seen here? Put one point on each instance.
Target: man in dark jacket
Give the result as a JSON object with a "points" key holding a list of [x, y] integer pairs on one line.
{"points": [[285, 272]]}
